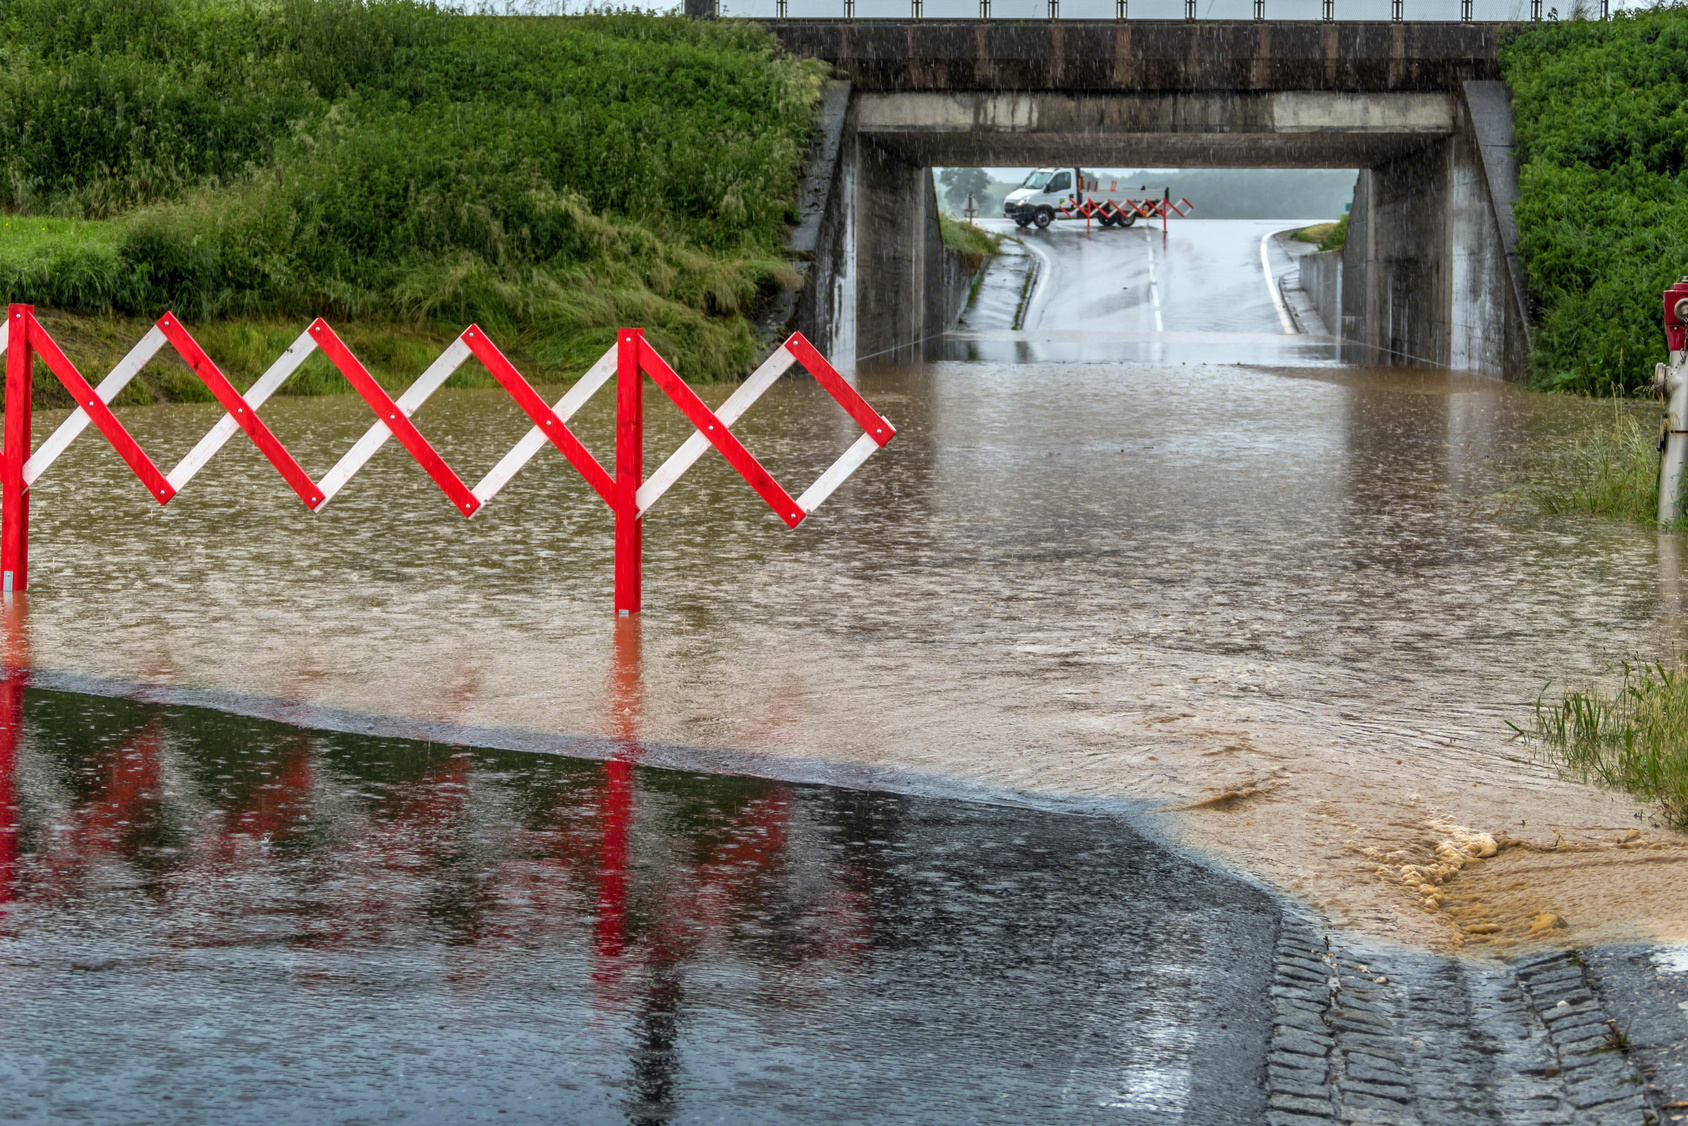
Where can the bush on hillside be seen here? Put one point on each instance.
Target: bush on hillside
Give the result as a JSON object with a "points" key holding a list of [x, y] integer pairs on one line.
{"points": [[1601, 114], [549, 177]]}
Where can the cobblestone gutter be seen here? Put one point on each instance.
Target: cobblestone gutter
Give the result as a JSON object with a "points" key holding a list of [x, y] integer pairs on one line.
{"points": [[1391, 1036]]}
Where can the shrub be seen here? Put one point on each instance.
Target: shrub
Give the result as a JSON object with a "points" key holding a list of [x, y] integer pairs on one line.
{"points": [[1602, 128], [552, 177]]}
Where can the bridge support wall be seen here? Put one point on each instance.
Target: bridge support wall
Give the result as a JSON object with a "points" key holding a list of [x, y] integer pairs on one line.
{"points": [[1429, 274]]}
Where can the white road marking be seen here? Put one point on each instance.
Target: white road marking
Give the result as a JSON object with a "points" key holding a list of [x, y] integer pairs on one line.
{"points": [[1272, 287]]}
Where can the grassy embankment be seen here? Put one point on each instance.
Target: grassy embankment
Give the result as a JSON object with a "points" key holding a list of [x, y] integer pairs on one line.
{"points": [[1326, 236], [398, 169], [974, 244], [1602, 125]]}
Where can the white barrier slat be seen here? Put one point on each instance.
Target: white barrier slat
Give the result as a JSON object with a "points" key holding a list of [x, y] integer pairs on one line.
{"points": [[834, 477], [376, 436], [697, 445], [5, 334], [127, 368], [256, 396], [536, 439]]}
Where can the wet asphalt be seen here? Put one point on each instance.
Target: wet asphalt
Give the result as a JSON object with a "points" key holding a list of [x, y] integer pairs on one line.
{"points": [[212, 917]]}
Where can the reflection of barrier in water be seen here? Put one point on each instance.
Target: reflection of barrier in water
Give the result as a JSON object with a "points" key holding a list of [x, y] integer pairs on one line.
{"points": [[14, 673], [626, 702], [628, 494]]}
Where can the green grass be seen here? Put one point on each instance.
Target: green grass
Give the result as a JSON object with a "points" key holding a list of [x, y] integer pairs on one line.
{"points": [[974, 244], [1634, 738], [1328, 236], [1609, 469], [395, 354], [388, 162]]}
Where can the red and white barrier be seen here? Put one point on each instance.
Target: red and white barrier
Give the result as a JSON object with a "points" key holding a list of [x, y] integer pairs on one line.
{"points": [[628, 494], [1126, 208]]}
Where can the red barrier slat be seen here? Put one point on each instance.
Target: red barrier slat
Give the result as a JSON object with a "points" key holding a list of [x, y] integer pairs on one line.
{"points": [[542, 415], [846, 396], [719, 436], [99, 413], [388, 412], [235, 404], [14, 497]]}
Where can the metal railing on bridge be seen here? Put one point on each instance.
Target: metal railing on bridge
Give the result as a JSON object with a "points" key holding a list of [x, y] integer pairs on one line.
{"points": [[1329, 11]]}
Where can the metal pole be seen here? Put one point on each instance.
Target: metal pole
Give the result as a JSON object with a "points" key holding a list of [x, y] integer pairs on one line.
{"points": [[14, 500], [1673, 381], [629, 470]]}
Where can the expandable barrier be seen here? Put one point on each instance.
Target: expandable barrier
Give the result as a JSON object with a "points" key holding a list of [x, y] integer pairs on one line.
{"points": [[628, 493], [1138, 208]]}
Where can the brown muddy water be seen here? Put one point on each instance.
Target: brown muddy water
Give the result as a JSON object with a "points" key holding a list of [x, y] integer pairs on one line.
{"points": [[1283, 602]]}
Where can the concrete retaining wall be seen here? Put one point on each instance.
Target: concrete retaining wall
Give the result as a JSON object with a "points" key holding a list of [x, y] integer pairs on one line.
{"points": [[1321, 279], [821, 244]]}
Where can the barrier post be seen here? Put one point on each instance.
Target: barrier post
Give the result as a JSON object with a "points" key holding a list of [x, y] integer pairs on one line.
{"points": [[14, 501], [629, 469]]}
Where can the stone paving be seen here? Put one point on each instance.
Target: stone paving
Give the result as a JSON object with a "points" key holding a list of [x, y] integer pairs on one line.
{"points": [[1365, 1033]]}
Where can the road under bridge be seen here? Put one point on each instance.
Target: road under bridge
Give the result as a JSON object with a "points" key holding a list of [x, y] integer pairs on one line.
{"points": [[1430, 276]]}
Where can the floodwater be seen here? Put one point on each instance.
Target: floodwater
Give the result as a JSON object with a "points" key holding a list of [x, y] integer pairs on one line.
{"points": [[216, 918], [1276, 598]]}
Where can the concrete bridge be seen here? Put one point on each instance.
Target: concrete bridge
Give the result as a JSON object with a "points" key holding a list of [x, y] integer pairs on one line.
{"points": [[1430, 274]]}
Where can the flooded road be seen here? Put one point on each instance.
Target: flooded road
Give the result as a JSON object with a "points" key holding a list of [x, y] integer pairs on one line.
{"points": [[1193, 293], [1274, 597], [214, 918]]}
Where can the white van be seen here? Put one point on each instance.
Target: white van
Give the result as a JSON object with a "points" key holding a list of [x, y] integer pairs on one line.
{"points": [[1049, 194]]}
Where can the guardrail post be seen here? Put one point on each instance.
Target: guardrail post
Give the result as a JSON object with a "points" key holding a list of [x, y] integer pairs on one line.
{"points": [[14, 501], [629, 469]]}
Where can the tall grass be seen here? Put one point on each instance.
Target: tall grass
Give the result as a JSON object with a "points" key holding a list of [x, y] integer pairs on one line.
{"points": [[1634, 739], [552, 178], [1608, 469]]}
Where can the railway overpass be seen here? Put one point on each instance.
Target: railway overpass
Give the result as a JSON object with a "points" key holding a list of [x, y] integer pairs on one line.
{"points": [[1431, 274]]}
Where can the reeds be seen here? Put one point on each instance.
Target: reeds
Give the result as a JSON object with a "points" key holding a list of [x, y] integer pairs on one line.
{"points": [[1610, 469], [1634, 738]]}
